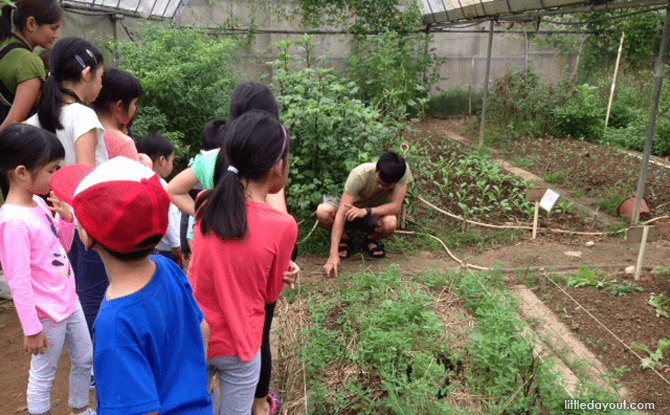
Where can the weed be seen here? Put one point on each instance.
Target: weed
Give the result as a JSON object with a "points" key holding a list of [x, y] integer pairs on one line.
{"points": [[624, 288], [554, 177], [663, 271], [659, 302], [655, 357], [588, 277]]}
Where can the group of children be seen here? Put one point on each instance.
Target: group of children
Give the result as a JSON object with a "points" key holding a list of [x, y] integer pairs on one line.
{"points": [[146, 331]]}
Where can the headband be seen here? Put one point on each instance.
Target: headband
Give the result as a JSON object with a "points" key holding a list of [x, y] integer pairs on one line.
{"points": [[283, 147]]}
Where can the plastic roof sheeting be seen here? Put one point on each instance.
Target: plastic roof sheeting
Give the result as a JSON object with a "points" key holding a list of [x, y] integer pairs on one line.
{"points": [[143, 8], [439, 11]]}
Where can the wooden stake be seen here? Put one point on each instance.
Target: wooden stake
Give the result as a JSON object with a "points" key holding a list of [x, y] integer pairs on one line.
{"points": [[537, 211], [616, 71], [640, 255]]}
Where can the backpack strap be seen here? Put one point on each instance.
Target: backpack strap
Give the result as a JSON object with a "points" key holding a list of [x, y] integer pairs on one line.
{"points": [[4, 91]]}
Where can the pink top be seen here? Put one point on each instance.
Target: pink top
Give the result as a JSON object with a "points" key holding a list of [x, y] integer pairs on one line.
{"points": [[233, 279], [119, 144], [35, 264]]}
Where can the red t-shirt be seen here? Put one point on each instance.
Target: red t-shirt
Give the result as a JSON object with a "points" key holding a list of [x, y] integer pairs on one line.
{"points": [[233, 279]]}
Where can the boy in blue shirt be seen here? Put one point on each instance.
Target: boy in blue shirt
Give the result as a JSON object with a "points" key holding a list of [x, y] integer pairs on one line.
{"points": [[150, 335]]}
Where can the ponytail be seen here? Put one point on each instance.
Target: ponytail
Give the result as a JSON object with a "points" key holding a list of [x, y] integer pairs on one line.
{"points": [[68, 58], [255, 142]]}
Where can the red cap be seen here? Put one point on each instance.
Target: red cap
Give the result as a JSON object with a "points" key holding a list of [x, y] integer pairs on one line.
{"points": [[120, 203]]}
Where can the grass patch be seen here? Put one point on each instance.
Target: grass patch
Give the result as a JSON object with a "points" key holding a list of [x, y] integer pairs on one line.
{"points": [[391, 344], [554, 178]]}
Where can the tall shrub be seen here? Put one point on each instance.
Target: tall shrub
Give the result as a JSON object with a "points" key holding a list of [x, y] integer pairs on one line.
{"points": [[186, 75], [393, 68], [331, 131]]}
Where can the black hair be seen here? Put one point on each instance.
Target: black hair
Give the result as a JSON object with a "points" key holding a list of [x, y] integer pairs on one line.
{"points": [[44, 12], [68, 58], [213, 133], [147, 245], [255, 142], [247, 97], [252, 96], [117, 85], [155, 145], [25, 145], [391, 167]]}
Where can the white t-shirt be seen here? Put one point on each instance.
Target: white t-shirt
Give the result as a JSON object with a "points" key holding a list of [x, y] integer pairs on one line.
{"points": [[77, 120], [171, 238]]}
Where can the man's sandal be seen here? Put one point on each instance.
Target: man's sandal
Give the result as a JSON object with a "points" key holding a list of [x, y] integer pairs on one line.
{"points": [[345, 247], [373, 248]]}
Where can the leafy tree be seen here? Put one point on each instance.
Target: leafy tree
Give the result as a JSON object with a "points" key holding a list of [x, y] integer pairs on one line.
{"points": [[331, 131]]}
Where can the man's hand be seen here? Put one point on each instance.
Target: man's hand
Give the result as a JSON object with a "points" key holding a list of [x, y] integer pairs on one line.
{"points": [[35, 344], [291, 276], [333, 265], [351, 212]]}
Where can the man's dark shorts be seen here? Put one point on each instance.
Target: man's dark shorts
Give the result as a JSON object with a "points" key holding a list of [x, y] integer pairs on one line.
{"points": [[366, 224]]}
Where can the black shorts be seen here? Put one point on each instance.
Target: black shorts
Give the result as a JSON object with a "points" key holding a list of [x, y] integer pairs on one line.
{"points": [[366, 224]]}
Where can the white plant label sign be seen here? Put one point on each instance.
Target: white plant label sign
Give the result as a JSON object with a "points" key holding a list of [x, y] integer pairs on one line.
{"points": [[549, 200]]}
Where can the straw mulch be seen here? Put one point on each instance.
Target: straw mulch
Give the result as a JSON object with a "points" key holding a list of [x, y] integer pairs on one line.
{"points": [[288, 372]]}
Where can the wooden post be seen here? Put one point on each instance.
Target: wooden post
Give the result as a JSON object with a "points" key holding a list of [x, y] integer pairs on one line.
{"points": [[537, 211], [616, 71], [640, 255], [535, 195]]}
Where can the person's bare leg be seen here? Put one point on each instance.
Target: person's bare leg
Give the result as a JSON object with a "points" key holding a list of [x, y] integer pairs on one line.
{"points": [[325, 214], [261, 406], [386, 226]]}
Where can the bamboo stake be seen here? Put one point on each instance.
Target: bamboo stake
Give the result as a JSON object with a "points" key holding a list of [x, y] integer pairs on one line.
{"points": [[616, 71], [640, 255], [537, 211]]}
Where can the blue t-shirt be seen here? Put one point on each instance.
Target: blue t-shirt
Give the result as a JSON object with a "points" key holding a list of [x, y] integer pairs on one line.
{"points": [[148, 349]]}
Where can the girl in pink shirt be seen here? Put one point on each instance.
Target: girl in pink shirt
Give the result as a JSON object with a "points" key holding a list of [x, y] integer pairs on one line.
{"points": [[116, 106], [241, 250], [33, 255]]}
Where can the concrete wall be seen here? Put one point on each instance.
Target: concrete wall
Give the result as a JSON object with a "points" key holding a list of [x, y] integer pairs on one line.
{"points": [[465, 53]]}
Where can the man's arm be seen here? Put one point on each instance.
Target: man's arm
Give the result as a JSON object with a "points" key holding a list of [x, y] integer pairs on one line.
{"points": [[393, 207], [333, 264]]}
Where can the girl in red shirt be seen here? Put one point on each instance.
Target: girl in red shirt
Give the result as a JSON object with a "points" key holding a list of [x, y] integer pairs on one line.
{"points": [[241, 250]]}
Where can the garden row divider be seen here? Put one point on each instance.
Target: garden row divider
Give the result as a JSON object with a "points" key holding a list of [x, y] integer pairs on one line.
{"points": [[604, 326]]}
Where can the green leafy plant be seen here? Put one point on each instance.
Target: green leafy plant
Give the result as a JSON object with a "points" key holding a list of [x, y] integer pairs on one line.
{"points": [[584, 119], [186, 75], [663, 271], [660, 303], [394, 70], [455, 102], [362, 16], [655, 357], [624, 288], [521, 103], [331, 131], [588, 277]]}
